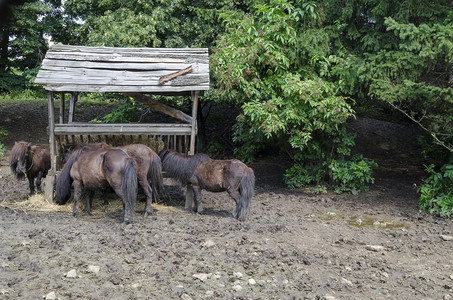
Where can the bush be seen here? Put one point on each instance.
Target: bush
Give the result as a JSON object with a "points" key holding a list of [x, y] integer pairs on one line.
{"points": [[437, 191], [353, 175]]}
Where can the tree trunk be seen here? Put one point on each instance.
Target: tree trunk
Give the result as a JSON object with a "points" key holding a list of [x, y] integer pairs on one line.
{"points": [[4, 50]]}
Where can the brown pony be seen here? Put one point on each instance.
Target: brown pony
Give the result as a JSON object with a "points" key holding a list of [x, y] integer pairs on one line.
{"points": [[149, 169], [90, 170], [29, 160], [212, 175]]}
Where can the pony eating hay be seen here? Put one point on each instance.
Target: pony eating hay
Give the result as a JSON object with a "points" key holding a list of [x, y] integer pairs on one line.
{"points": [[212, 175], [98, 169], [29, 160], [149, 168]]}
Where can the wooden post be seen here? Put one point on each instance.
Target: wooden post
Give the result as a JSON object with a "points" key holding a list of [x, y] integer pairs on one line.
{"points": [[72, 102], [194, 122], [50, 178], [61, 107], [189, 191]]}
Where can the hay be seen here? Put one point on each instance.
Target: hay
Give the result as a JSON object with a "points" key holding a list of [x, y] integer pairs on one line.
{"points": [[39, 203]]}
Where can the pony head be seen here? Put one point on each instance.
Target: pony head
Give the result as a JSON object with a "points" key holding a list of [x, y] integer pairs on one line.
{"points": [[19, 159]]}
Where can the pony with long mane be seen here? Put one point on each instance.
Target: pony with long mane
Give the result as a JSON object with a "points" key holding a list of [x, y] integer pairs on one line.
{"points": [[149, 169], [31, 161], [202, 172], [89, 170]]}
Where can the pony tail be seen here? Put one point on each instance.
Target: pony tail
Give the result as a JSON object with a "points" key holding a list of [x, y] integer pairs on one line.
{"points": [[246, 191], [155, 176], [129, 185], [64, 181]]}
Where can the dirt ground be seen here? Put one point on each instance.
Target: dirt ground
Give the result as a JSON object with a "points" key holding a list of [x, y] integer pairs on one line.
{"points": [[295, 245]]}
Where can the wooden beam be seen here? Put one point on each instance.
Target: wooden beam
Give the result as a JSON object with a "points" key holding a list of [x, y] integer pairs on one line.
{"points": [[72, 103], [61, 108], [50, 178], [177, 114], [122, 129], [193, 134]]}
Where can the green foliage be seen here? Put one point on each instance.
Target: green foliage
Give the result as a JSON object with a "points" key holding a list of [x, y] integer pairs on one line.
{"points": [[437, 191], [285, 100], [126, 112], [3, 133], [146, 23], [353, 175], [24, 27]]}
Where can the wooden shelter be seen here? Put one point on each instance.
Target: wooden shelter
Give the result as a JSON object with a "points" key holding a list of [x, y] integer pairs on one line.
{"points": [[134, 72]]}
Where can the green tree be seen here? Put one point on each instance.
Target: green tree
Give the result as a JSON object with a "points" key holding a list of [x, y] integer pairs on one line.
{"points": [[24, 26], [182, 23], [401, 53], [270, 63]]}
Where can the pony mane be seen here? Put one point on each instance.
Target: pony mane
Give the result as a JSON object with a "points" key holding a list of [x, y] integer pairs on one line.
{"points": [[181, 166], [17, 154]]}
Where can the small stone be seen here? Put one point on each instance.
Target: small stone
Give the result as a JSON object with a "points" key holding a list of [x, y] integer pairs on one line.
{"points": [[446, 237], [375, 248], [186, 297], [94, 269], [135, 285], [237, 274], [202, 276], [252, 281], [237, 288], [208, 243], [51, 296], [209, 294], [346, 281], [329, 297], [71, 274]]}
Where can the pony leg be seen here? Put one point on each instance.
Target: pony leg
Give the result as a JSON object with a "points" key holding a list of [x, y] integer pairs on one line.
{"points": [[197, 198], [31, 185], [77, 193], [235, 195], [38, 182], [88, 200], [149, 196], [105, 196]]}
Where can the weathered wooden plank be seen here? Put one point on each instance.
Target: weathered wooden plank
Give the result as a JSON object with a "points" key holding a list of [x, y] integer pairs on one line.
{"points": [[62, 72], [162, 89], [48, 64], [121, 129], [190, 81]]}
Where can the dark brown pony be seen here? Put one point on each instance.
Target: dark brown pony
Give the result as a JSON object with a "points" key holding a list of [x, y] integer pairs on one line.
{"points": [[69, 148], [149, 169], [89, 170], [29, 160], [212, 175]]}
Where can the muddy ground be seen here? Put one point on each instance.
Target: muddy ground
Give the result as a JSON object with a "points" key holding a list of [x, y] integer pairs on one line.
{"points": [[295, 245]]}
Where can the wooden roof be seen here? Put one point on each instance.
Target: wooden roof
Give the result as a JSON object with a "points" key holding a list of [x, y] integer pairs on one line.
{"points": [[68, 68]]}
